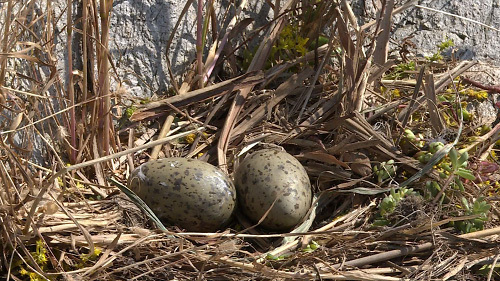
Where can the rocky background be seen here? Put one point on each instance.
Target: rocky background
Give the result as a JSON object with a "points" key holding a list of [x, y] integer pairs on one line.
{"points": [[140, 30]]}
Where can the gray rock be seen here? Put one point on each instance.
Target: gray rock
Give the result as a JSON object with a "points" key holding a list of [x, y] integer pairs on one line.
{"points": [[472, 40], [140, 30], [139, 35], [428, 28]]}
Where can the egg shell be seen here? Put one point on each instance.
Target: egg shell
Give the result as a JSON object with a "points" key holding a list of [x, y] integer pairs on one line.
{"points": [[189, 193], [268, 175]]}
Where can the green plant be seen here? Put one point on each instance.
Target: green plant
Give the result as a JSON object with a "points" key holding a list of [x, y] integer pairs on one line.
{"points": [[290, 44], [410, 137], [432, 190], [311, 247], [437, 56], [40, 257], [401, 71], [385, 170], [85, 258], [485, 270], [276, 258], [459, 164], [129, 111], [390, 202], [480, 208]]}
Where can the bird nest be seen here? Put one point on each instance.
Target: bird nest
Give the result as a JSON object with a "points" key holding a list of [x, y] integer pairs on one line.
{"points": [[400, 153]]}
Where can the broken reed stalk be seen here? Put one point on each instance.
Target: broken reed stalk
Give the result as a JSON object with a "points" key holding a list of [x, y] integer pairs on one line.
{"points": [[5, 44], [70, 90], [105, 104], [411, 249], [199, 43], [163, 132], [85, 69]]}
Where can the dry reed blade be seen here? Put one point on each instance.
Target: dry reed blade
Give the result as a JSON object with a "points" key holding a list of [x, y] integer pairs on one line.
{"points": [[439, 85], [157, 108], [430, 93], [411, 106], [5, 42], [212, 60], [163, 132], [104, 80], [288, 87], [240, 98], [69, 84], [382, 45], [199, 43], [314, 80]]}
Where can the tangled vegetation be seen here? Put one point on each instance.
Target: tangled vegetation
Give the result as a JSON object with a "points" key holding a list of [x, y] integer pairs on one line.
{"points": [[402, 158]]}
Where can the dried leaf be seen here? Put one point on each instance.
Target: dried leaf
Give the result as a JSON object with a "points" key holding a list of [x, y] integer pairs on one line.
{"points": [[359, 163], [323, 157]]}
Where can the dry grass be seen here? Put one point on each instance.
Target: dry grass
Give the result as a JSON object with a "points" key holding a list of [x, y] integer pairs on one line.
{"points": [[332, 106]]}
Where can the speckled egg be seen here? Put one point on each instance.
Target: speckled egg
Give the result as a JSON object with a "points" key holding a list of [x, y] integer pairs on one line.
{"points": [[188, 193], [268, 175]]}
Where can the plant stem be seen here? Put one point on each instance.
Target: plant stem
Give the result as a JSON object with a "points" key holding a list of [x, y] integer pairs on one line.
{"points": [[105, 9], [70, 89], [199, 43], [3, 60]]}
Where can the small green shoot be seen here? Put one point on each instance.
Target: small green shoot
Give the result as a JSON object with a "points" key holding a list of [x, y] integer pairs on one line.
{"points": [[441, 47], [276, 258], [311, 247], [401, 71], [479, 207], [385, 170], [389, 204]]}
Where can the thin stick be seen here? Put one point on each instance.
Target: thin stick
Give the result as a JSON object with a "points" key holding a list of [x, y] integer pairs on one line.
{"points": [[70, 89], [3, 59], [410, 250], [457, 16], [122, 153], [163, 132], [199, 43]]}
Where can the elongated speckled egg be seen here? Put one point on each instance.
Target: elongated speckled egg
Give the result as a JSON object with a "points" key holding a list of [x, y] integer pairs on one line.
{"points": [[268, 176], [188, 193]]}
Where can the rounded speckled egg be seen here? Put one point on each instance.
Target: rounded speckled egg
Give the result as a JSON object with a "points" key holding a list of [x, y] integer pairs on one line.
{"points": [[268, 176], [188, 193]]}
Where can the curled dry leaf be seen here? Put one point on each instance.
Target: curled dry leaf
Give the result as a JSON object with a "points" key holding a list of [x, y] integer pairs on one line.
{"points": [[322, 157], [358, 162], [51, 208]]}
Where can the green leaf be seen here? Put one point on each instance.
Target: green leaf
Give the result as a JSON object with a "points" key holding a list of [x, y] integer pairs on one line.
{"points": [[454, 158], [466, 174], [139, 203], [465, 204], [480, 206], [459, 183], [428, 167], [462, 161]]}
